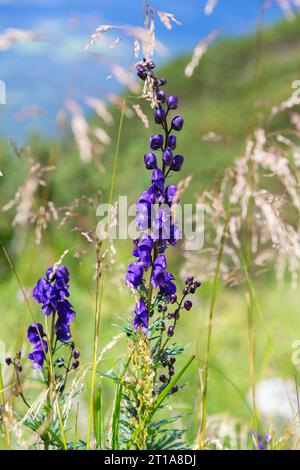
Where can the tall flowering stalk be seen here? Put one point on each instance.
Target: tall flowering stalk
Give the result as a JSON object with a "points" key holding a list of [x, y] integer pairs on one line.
{"points": [[48, 344], [157, 294]]}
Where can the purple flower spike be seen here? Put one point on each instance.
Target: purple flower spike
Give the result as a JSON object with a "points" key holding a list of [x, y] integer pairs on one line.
{"points": [[155, 220], [51, 292]]}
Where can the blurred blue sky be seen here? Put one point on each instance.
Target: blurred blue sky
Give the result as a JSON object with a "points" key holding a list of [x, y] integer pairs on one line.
{"points": [[44, 74]]}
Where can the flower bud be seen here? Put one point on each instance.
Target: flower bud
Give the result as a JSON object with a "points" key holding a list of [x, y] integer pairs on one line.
{"points": [[172, 140], [75, 364], [174, 389], [189, 280], [173, 298], [76, 354], [188, 304], [171, 370], [141, 72], [163, 379], [177, 163], [161, 96], [156, 141], [150, 161], [170, 331], [159, 115], [177, 123], [172, 102], [8, 361], [168, 157], [162, 81]]}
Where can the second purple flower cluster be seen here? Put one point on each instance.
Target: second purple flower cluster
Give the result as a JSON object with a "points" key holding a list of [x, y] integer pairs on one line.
{"points": [[154, 214], [51, 292]]}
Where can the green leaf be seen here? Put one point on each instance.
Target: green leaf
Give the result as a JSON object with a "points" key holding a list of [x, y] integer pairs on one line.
{"points": [[98, 415], [117, 409], [56, 438], [165, 392]]}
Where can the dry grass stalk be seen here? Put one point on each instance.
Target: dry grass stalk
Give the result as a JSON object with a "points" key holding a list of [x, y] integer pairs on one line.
{"points": [[13, 36], [167, 19], [31, 111], [210, 6], [198, 52], [80, 130], [42, 218], [100, 109], [141, 115], [275, 240], [144, 36], [118, 102], [123, 76], [24, 198]]}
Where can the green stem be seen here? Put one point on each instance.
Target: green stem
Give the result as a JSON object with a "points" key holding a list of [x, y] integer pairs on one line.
{"points": [[2, 398], [202, 433], [99, 295]]}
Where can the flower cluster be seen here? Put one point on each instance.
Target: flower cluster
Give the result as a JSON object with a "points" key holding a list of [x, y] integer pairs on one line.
{"points": [[157, 224], [261, 441], [51, 292]]}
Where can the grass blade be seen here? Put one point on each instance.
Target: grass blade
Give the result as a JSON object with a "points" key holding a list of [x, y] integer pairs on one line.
{"points": [[163, 395], [98, 416], [117, 409], [2, 404]]}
